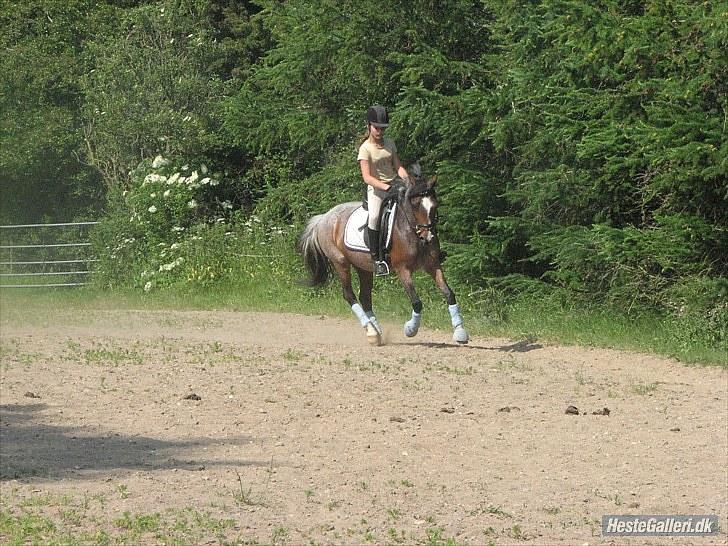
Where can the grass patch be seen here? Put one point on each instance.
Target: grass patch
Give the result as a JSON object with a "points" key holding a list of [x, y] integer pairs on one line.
{"points": [[139, 524], [112, 355], [547, 319], [245, 497], [644, 389], [186, 527], [72, 521], [292, 356], [103, 354]]}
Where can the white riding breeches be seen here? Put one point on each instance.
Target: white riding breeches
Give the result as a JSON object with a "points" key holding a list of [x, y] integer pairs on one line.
{"points": [[375, 198]]}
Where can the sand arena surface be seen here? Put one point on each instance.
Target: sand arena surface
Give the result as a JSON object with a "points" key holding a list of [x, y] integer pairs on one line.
{"points": [[292, 430]]}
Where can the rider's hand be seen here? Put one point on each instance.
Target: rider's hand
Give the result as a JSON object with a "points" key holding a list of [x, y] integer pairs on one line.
{"points": [[395, 189]]}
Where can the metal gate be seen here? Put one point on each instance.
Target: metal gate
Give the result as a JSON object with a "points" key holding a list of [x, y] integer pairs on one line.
{"points": [[57, 253]]}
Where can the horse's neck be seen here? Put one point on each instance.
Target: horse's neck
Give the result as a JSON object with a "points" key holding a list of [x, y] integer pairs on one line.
{"points": [[403, 221]]}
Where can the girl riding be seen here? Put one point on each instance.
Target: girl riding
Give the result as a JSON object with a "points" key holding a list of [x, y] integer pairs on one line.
{"points": [[380, 167]]}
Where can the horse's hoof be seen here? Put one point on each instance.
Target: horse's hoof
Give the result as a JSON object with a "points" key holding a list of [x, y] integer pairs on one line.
{"points": [[373, 336], [375, 340], [409, 330], [460, 335], [374, 322]]}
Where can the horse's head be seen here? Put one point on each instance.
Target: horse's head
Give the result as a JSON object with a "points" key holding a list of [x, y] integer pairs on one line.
{"points": [[420, 196]]}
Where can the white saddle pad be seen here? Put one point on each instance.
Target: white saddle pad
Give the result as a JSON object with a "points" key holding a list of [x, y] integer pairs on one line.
{"points": [[355, 226]]}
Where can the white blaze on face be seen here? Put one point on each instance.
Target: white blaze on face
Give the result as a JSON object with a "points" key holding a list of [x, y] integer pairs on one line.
{"points": [[428, 205]]}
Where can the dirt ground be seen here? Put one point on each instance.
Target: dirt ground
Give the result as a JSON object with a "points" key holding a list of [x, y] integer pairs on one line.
{"points": [[286, 429]]}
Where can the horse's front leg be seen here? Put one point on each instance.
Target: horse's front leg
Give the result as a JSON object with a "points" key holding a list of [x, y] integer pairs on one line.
{"points": [[412, 326], [459, 333]]}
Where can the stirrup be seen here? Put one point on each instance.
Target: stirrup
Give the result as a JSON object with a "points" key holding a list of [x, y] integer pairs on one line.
{"points": [[381, 269]]}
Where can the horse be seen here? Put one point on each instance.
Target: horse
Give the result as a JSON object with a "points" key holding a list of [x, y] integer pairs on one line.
{"points": [[414, 246]]}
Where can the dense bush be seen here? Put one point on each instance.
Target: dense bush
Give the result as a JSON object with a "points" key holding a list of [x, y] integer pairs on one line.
{"points": [[152, 89], [176, 226], [44, 174], [580, 147], [154, 226]]}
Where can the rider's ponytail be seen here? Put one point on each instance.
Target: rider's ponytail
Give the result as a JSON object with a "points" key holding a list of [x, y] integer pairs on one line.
{"points": [[365, 137]]}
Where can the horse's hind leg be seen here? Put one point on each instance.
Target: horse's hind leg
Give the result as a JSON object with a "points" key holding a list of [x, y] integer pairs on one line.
{"points": [[366, 283], [373, 336], [345, 277], [459, 333]]}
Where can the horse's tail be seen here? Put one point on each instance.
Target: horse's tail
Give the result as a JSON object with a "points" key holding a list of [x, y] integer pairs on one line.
{"points": [[309, 247]]}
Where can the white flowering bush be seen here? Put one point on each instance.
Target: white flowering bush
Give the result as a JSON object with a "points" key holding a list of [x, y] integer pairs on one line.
{"points": [[173, 216], [166, 198]]}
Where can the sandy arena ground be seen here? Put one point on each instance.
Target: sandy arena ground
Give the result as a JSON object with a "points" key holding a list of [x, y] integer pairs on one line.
{"points": [[292, 430]]}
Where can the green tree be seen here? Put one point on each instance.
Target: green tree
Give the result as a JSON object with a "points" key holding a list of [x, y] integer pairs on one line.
{"points": [[42, 166], [614, 114], [158, 81], [301, 113]]}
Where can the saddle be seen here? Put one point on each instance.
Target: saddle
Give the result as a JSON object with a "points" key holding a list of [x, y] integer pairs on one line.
{"points": [[356, 236], [386, 223]]}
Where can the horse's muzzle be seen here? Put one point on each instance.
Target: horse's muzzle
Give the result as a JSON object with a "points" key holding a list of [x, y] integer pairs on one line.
{"points": [[425, 232]]}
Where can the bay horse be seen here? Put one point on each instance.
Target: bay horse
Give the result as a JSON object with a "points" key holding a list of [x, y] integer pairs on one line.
{"points": [[414, 245]]}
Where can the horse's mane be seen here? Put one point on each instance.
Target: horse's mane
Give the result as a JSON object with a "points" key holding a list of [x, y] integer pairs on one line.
{"points": [[418, 184]]}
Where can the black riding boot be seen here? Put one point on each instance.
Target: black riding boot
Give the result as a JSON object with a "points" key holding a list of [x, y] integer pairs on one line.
{"points": [[380, 266]]}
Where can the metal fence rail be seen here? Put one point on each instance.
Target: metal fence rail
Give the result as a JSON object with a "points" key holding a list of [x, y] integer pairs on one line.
{"points": [[74, 277], [51, 262], [45, 246], [19, 226]]}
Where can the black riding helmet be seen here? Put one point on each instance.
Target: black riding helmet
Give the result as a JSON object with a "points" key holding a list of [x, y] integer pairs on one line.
{"points": [[377, 116]]}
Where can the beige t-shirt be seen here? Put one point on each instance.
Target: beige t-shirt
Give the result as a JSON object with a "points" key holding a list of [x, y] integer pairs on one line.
{"points": [[381, 160]]}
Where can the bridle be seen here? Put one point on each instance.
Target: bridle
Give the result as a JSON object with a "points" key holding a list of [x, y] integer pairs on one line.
{"points": [[419, 229]]}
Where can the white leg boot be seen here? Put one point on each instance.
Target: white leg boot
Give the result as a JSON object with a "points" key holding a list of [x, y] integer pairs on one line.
{"points": [[459, 334], [373, 320], [412, 325], [373, 335]]}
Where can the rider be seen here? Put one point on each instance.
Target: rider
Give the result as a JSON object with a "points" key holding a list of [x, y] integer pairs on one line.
{"points": [[380, 166]]}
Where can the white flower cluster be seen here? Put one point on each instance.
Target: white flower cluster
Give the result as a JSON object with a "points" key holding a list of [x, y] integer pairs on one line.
{"points": [[159, 162], [167, 196], [171, 265], [154, 178], [253, 218], [194, 181], [114, 252]]}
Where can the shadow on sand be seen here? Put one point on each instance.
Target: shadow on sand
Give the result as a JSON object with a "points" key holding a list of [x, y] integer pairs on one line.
{"points": [[32, 449], [523, 346]]}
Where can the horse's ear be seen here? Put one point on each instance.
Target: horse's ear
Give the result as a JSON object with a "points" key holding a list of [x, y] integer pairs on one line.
{"points": [[415, 170], [431, 182]]}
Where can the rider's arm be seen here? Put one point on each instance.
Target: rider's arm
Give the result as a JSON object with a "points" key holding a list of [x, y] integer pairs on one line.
{"points": [[401, 171]]}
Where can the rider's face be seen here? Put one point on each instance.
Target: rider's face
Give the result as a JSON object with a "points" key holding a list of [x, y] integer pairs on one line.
{"points": [[376, 132]]}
